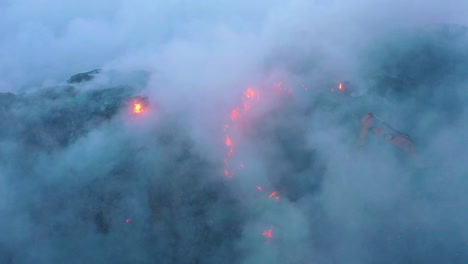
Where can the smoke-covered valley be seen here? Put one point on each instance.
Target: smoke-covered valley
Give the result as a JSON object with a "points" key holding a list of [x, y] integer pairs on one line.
{"points": [[227, 132]]}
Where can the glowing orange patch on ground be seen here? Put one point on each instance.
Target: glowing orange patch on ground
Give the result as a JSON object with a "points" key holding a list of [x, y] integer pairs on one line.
{"points": [[268, 233], [228, 141], [250, 93], [234, 114], [137, 108], [274, 195]]}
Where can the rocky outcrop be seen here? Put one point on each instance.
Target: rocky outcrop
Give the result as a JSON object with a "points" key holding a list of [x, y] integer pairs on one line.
{"points": [[84, 77]]}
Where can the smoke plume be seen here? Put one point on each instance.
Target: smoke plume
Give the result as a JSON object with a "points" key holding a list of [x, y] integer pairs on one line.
{"points": [[227, 132]]}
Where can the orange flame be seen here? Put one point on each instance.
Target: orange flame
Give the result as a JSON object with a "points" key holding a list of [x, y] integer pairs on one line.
{"points": [[250, 93], [281, 90], [234, 114], [274, 195], [340, 86], [268, 233], [228, 141], [137, 107]]}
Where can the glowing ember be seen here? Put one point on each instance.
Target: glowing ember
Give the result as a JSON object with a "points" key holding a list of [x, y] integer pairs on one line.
{"points": [[268, 233], [250, 93], [260, 188], [340, 86], [228, 141], [128, 220], [249, 96], [234, 114], [137, 108], [274, 195]]}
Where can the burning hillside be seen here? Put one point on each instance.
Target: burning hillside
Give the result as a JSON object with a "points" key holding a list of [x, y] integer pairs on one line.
{"points": [[292, 143]]}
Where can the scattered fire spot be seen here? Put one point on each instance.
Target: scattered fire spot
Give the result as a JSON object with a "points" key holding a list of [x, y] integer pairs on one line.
{"points": [[228, 141], [138, 107], [250, 93], [268, 234], [128, 220], [340, 86], [260, 188], [234, 114], [274, 195]]}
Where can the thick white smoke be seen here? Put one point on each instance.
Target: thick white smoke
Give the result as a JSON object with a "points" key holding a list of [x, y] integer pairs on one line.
{"points": [[84, 181]]}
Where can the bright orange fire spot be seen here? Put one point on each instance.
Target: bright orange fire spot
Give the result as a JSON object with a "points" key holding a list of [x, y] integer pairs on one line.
{"points": [[128, 220], [273, 195], [268, 233], [340, 86], [228, 141], [137, 108], [234, 114], [250, 93]]}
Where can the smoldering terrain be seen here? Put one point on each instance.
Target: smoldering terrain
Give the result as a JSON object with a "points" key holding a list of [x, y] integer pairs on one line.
{"points": [[153, 132]]}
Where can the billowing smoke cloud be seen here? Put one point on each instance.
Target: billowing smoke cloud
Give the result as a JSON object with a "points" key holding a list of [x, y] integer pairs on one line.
{"points": [[243, 148]]}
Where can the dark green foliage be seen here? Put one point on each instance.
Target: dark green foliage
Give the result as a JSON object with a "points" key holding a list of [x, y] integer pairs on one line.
{"points": [[83, 77]]}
